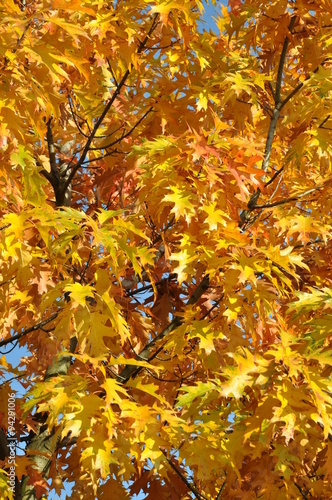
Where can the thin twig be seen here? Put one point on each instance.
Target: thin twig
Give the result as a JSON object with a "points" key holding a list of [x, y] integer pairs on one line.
{"points": [[13, 378], [288, 200], [276, 188], [282, 62], [29, 330], [113, 152], [300, 85], [159, 378], [106, 109], [274, 176], [125, 134], [148, 352], [112, 73], [75, 119], [273, 123], [324, 121], [276, 111], [218, 497], [197, 494], [304, 495], [6, 282]]}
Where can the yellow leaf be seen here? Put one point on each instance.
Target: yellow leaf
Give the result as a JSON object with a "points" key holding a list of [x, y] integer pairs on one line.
{"points": [[79, 293]]}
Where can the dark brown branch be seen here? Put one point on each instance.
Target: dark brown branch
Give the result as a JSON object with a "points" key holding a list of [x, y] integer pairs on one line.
{"points": [[252, 204], [195, 492], [29, 330], [300, 85], [106, 109], [73, 113], [272, 90], [110, 153], [162, 379], [209, 311], [16, 377], [276, 111], [288, 200], [274, 176], [108, 135], [112, 72], [125, 134], [304, 495], [147, 287], [309, 243], [18, 43], [323, 123], [20, 40], [148, 352], [244, 216], [54, 174], [140, 290], [218, 497], [6, 282], [282, 62]]}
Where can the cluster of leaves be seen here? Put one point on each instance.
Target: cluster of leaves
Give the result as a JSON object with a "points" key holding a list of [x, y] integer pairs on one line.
{"points": [[165, 243]]}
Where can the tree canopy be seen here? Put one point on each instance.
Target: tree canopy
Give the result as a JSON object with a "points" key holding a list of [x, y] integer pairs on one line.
{"points": [[165, 245]]}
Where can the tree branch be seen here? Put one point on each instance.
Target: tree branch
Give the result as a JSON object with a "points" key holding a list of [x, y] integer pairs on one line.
{"points": [[276, 111], [288, 200], [73, 113], [107, 108], [29, 330], [282, 62], [196, 493], [323, 123], [147, 353], [51, 150], [300, 85], [218, 497], [126, 134], [273, 125], [304, 495], [252, 204], [274, 176]]}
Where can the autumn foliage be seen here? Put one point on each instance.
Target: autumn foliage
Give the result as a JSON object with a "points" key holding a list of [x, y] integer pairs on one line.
{"points": [[166, 246]]}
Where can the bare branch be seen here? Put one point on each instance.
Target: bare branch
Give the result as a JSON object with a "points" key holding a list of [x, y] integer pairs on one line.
{"points": [[6, 282], [147, 353], [196, 493], [18, 43], [272, 90], [106, 109], [288, 200], [16, 377], [282, 62], [110, 153], [74, 115], [300, 85], [273, 125], [125, 134], [274, 176], [112, 72], [323, 123], [29, 330], [252, 204], [51, 152], [218, 497], [304, 495]]}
